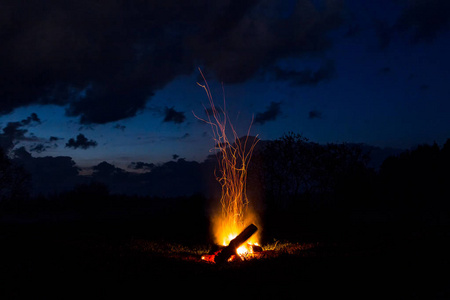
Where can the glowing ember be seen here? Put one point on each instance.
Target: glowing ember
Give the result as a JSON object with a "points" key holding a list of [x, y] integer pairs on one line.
{"points": [[232, 175], [234, 251], [246, 249]]}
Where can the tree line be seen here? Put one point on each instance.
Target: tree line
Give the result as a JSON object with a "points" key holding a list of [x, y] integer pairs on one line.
{"points": [[291, 178]]}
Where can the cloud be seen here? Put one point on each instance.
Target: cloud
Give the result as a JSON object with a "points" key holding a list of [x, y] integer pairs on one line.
{"points": [[185, 136], [105, 62], [45, 144], [141, 166], [54, 139], [48, 174], [120, 127], [80, 142], [32, 118], [245, 38], [15, 132], [38, 148], [307, 76], [314, 114], [272, 112], [171, 115], [105, 169], [424, 19]]}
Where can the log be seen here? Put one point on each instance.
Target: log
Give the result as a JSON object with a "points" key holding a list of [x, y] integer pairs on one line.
{"points": [[230, 250]]}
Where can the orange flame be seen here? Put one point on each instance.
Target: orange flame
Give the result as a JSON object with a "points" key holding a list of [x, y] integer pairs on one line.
{"points": [[233, 161]]}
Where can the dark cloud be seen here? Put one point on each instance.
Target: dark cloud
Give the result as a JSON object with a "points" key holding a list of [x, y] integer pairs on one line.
{"points": [[48, 174], [105, 169], [141, 166], [105, 61], [314, 114], [32, 118], [272, 112], [15, 132], [11, 133], [171, 115], [424, 19], [170, 179], [38, 148], [259, 33], [307, 76], [45, 144], [54, 139], [80, 142]]}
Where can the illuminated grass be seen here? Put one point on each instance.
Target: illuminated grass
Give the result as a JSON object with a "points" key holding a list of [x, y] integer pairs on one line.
{"points": [[288, 247], [168, 248]]}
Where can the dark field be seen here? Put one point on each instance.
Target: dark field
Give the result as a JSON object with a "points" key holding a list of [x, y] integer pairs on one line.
{"points": [[335, 227], [131, 260]]}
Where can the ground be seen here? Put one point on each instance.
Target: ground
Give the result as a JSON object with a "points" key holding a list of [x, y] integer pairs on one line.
{"points": [[71, 260]]}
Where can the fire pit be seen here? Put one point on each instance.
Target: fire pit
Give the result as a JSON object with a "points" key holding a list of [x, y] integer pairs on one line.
{"points": [[236, 250]]}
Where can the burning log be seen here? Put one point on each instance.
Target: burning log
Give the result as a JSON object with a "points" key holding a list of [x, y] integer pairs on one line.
{"points": [[230, 250]]}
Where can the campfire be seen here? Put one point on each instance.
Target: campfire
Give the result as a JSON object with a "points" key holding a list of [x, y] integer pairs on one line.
{"points": [[233, 225], [236, 250]]}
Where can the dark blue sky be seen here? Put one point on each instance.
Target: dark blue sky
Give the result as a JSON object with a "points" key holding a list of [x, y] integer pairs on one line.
{"points": [[120, 79]]}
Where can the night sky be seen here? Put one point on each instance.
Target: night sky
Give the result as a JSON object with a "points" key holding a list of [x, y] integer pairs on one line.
{"points": [[116, 81]]}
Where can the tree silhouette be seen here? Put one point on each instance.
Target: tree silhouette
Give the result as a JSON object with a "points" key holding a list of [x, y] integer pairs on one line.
{"points": [[14, 182], [295, 169], [287, 168]]}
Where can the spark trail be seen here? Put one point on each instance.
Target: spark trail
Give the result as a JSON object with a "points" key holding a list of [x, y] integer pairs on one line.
{"points": [[233, 160]]}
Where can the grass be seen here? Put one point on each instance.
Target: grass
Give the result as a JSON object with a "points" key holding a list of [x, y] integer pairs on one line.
{"points": [[169, 249], [38, 263], [285, 247]]}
